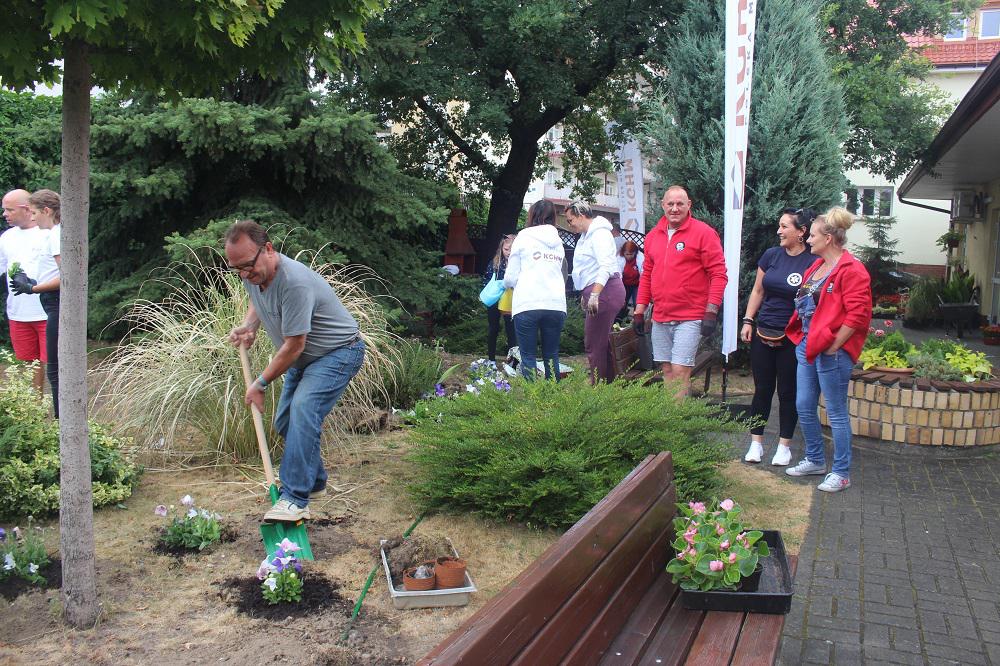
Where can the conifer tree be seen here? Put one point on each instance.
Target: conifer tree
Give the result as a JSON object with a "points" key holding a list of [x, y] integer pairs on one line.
{"points": [[797, 120], [879, 256]]}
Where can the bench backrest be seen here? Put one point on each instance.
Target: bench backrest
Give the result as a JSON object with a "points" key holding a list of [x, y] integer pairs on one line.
{"points": [[570, 603]]}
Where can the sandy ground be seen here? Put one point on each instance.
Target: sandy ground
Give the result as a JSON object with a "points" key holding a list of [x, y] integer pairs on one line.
{"points": [[163, 609]]}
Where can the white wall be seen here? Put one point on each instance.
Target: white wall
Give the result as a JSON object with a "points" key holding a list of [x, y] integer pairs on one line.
{"points": [[916, 228]]}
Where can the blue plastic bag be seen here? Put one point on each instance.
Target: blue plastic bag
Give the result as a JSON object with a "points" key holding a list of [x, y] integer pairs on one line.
{"points": [[492, 292]]}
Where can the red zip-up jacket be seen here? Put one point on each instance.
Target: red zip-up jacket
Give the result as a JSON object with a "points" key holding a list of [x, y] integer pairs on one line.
{"points": [[683, 274], [845, 300]]}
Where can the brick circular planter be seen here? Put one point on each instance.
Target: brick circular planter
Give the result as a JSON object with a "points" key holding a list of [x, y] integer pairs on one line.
{"points": [[903, 409]]}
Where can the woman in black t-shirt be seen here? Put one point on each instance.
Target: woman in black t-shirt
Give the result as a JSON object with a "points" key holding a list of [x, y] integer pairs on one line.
{"points": [[772, 355]]}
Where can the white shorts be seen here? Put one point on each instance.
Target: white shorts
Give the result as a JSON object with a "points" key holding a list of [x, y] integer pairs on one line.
{"points": [[676, 342]]}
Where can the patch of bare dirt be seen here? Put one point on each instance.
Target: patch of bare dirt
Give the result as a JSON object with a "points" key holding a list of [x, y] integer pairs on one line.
{"points": [[318, 593], [12, 587]]}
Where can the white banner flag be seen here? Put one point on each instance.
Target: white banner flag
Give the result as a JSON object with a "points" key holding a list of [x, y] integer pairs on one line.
{"points": [[741, 18], [631, 204]]}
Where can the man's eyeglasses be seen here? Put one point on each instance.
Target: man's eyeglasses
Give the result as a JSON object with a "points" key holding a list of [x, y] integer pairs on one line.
{"points": [[248, 267]]}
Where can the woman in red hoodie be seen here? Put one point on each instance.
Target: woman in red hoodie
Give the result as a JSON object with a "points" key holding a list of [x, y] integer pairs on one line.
{"points": [[833, 309]]}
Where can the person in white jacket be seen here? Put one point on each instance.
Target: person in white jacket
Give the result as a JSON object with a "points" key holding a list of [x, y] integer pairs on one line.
{"points": [[595, 274], [534, 271]]}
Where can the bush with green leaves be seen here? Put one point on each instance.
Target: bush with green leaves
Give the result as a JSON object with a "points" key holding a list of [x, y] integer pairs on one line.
{"points": [[922, 304], [29, 451], [22, 554], [191, 528], [546, 452]]}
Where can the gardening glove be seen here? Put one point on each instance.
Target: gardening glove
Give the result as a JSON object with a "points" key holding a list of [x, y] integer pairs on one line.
{"points": [[639, 323], [709, 322], [21, 284], [593, 302]]}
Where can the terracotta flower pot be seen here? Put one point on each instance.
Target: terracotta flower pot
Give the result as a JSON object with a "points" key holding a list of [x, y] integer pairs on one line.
{"points": [[450, 572], [411, 584]]}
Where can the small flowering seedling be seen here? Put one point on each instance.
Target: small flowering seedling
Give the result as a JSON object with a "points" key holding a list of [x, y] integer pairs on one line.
{"points": [[713, 549], [281, 574], [195, 530], [23, 553]]}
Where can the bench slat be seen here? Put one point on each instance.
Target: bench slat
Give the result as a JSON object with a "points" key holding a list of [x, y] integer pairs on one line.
{"points": [[576, 616], [505, 624], [646, 578], [672, 642], [761, 635], [644, 622], [716, 639]]}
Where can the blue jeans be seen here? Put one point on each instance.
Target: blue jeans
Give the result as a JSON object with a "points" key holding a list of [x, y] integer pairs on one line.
{"points": [[527, 325], [307, 397], [829, 374]]}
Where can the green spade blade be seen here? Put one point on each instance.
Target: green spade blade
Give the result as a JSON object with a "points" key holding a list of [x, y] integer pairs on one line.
{"points": [[273, 533]]}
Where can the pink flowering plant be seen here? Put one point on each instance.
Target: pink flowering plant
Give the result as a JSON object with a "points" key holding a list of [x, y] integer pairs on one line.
{"points": [[713, 549], [281, 574]]}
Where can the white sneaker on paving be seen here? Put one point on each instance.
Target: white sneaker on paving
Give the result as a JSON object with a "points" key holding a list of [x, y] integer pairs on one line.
{"points": [[285, 511], [754, 453], [782, 456], [834, 483], [806, 467]]}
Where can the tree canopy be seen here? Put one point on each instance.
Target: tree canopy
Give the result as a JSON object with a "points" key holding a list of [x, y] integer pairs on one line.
{"points": [[474, 86]]}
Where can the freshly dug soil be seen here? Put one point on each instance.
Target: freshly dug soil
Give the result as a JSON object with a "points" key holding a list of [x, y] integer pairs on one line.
{"points": [[318, 593], [405, 553], [13, 586]]}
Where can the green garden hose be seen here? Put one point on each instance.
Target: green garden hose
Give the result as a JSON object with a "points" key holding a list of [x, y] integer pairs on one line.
{"points": [[368, 583]]}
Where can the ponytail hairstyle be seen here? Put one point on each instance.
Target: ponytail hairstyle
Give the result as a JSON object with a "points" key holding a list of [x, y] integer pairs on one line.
{"points": [[836, 222], [46, 199], [628, 246]]}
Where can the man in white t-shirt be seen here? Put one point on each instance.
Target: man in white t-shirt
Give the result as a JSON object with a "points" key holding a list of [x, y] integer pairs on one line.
{"points": [[23, 244]]}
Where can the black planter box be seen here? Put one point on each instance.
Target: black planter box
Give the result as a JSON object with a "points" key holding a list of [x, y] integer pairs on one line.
{"points": [[773, 593]]}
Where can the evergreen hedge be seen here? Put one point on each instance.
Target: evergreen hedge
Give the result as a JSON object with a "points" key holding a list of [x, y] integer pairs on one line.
{"points": [[545, 453]]}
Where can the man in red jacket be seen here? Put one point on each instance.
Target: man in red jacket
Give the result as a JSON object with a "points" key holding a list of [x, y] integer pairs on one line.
{"points": [[684, 276]]}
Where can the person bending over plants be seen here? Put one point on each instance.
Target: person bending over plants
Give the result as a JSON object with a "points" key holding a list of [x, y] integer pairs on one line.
{"points": [[319, 350]]}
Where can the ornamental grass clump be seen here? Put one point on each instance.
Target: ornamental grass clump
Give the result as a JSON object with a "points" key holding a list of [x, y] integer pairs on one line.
{"points": [[281, 574], [714, 550], [178, 379], [23, 554], [191, 528], [544, 452]]}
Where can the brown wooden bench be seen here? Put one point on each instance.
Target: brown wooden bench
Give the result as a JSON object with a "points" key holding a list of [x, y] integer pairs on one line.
{"points": [[625, 348], [601, 595]]}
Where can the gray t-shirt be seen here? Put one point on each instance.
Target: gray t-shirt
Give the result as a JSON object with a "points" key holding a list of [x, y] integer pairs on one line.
{"points": [[298, 301]]}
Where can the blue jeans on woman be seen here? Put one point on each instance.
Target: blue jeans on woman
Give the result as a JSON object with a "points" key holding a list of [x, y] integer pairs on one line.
{"points": [[527, 326], [307, 397], [829, 374]]}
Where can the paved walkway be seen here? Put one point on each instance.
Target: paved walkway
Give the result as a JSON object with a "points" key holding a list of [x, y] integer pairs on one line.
{"points": [[902, 568]]}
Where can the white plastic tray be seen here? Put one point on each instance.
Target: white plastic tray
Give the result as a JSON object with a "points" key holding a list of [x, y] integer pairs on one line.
{"points": [[452, 596]]}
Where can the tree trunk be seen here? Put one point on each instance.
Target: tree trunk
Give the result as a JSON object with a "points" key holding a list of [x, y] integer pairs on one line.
{"points": [[507, 196], [76, 508]]}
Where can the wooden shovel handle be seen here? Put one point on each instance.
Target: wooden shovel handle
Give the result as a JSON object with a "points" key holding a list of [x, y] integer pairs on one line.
{"points": [[258, 420]]}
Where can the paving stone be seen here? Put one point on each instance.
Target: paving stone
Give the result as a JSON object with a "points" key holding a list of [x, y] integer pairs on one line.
{"points": [[879, 655], [816, 651]]}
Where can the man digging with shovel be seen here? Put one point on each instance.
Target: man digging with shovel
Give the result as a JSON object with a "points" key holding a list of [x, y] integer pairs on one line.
{"points": [[318, 347]]}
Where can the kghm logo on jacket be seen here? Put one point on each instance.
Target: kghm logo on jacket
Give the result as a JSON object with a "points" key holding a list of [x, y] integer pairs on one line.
{"points": [[794, 279], [679, 246], [536, 256], [548, 256]]}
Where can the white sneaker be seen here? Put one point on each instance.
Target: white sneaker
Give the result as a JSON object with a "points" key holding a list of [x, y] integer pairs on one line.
{"points": [[805, 467], [782, 456], [754, 453], [834, 483], [284, 511]]}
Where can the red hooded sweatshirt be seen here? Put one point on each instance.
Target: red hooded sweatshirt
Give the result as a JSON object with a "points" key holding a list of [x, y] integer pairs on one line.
{"points": [[682, 274], [845, 300]]}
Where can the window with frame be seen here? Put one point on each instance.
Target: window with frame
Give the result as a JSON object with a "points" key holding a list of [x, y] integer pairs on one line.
{"points": [[870, 201], [611, 185], [989, 23], [961, 29]]}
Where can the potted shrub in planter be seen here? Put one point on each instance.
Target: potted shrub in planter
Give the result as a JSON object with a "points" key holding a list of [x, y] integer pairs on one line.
{"points": [[949, 239], [720, 565]]}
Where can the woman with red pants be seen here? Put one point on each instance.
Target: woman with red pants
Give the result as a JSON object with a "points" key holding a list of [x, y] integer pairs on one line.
{"points": [[595, 274]]}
